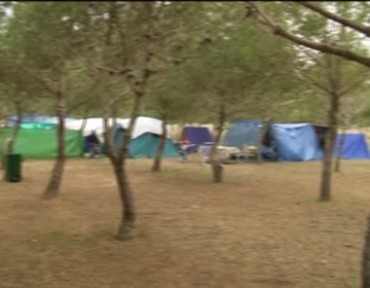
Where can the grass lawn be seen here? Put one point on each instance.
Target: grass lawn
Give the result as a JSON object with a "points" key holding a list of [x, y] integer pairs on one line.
{"points": [[261, 228]]}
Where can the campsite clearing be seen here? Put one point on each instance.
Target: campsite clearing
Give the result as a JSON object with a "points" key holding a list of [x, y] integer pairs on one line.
{"points": [[262, 228]]}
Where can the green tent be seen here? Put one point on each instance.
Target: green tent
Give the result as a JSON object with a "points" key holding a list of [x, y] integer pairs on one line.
{"points": [[146, 145], [42, 143]]}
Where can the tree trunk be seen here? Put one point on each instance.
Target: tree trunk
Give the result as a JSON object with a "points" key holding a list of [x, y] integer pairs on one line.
{"points": [[17, 126], [11, 142], [4, 117], [81, 135], [162, 142], [217, 168], [118, 161], [366, 258], [127, 224], [52, 189], [262, 135], [339, 152], [2, 143], [325, 188]]}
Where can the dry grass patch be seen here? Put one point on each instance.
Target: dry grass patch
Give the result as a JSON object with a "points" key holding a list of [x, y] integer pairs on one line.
{"points": [[262, 228]]}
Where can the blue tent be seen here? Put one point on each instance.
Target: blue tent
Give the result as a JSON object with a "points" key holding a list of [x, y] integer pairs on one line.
{"points": [[355, 147], [197, 136], [296, 142], [287, 142], [242, 132]]}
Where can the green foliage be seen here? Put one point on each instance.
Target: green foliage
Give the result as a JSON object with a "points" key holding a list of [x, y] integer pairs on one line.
{"points": [[202, 54], [242, 71]]}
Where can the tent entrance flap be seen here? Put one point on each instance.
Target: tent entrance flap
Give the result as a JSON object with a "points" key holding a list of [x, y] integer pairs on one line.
{"points": [[296, 142]]}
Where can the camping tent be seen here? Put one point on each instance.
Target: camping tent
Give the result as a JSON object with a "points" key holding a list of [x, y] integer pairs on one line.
{"points": [[145, 138], [355, 147], [196, 136], [291, 142], [146, 145], [296, 142], [42, 143], [242, 132]]}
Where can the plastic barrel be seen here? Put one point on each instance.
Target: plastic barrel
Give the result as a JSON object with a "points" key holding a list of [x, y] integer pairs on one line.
{"points": [[13, 167]]}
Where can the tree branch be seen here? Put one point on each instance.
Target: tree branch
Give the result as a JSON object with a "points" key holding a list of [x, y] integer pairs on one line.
{"points": [[339, 19], [254, 11], [316, 83], [354, 85]]}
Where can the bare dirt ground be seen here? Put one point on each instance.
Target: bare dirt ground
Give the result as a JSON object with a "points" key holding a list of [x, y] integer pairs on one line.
{"points": [[262, 228]]}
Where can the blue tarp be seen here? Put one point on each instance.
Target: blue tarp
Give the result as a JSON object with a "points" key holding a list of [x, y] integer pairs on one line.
{"points": [[242, 132], [296, 142], [355, 147], [197, 136]]}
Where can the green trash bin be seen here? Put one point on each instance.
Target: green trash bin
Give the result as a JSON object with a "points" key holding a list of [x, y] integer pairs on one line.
{"points": [[13, 172]]}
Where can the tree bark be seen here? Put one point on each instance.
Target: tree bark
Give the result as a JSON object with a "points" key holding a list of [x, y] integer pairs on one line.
{"points": [[366, 258], [339, 152], [127, 224], [52, 189], [162, 142], [13, 138], [81, 135], [217, 168], [11, 142], [261, 136], [2, 141], [325, 187]]}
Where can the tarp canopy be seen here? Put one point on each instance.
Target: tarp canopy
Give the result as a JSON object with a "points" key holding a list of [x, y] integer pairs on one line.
{"points": [[296, 142], [42, 143], [242, 132], [355, 147], [197, 135], [146, 145]]}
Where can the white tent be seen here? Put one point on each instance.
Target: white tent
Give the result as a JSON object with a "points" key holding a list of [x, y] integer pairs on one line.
{"points": [[142, 125]]}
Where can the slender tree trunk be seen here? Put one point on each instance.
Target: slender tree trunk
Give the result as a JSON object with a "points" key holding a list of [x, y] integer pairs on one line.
{"points": [[2, 141], [339, 152], [217, 168], [83, 125], [52, 189], [17, 126], [162, 142], [138, 86], [127, 224], [128, 217], [81, 136], [366, 258], [2, 148], [118, 161], [325, 188], [11, 142], [261, 136]]}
